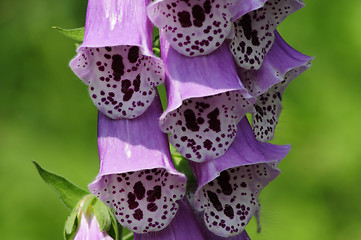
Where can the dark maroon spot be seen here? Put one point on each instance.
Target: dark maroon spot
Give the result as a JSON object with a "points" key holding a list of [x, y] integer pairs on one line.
{"points": [[107, 56], [198, 15], [133, 54], [191, 122], [154, 194], [213, 122], [228, 211], [223, 182], [243, 184], [152, 207], [108, 49], [117, 67], [246, 23], [139, 190], [138, 214], [259, 109], [131, 201], [136, 83], [207, 144], [215, 201], [185, 19], [125, 85], [207, 6]]}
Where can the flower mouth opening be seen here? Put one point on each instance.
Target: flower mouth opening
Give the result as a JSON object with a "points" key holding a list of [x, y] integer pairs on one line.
{"points": [[144, 200], [230, 200], [122, 80], [203, 128]]}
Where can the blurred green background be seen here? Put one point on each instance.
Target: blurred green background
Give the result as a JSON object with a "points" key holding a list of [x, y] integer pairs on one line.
{"points": [[47, 116]]}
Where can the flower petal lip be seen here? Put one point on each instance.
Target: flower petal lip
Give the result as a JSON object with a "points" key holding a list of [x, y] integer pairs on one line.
{"points": [[194, 27], [228, 186], [206, 100], [183, 227], [281, 66], [239, 8], [252, 35], [280, 60], [116, 60], [136, 176]]}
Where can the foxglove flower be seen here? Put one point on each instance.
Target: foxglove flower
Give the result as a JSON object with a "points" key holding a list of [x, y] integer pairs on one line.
{"points": [[206, 100], [183, 227], [281, 65], [115, 59], [252, 34], [136, 177], [228, 187], [198, 27]]}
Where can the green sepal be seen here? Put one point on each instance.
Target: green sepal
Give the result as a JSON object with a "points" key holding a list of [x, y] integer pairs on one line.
{"points": [[71, 225], [116, 230], [75, 33], [102, 214], [69, 193], [182, 165]]}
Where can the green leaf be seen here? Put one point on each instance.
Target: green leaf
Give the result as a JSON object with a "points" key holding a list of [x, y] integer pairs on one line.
{"points": [[69, 193], [75, 33]]}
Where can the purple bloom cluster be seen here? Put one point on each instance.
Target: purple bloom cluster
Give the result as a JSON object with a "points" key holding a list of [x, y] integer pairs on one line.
{"points": [[220, 59]]}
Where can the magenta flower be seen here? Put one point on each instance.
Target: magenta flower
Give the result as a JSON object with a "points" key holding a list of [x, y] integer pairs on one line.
{"points": [[206, 100], [116, 60], [198, 27], [253, 33], [281, 65], [228, 187], [136, 177]]}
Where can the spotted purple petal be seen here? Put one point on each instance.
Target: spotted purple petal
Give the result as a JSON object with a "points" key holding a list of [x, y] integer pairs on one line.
{"points": [[228, 186], [252, 35], [206, 100], [282, 65], [183, 227], [136, 177], [280, 60], [193, 27], [238, 8], [120, 69]]}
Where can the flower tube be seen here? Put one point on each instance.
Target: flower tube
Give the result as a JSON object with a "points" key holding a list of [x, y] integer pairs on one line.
{"points": [[136, 176], [115, 59], [253, 33], [198, 27], [206, 100], [280, 60], [228, 187]]}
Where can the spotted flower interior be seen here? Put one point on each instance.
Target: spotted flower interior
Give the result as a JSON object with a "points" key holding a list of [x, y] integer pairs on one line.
{"points": [[230, 200], [144, 200], [192, 27], [253, 33], [268, 106], [121, 79], [202, 129]]}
